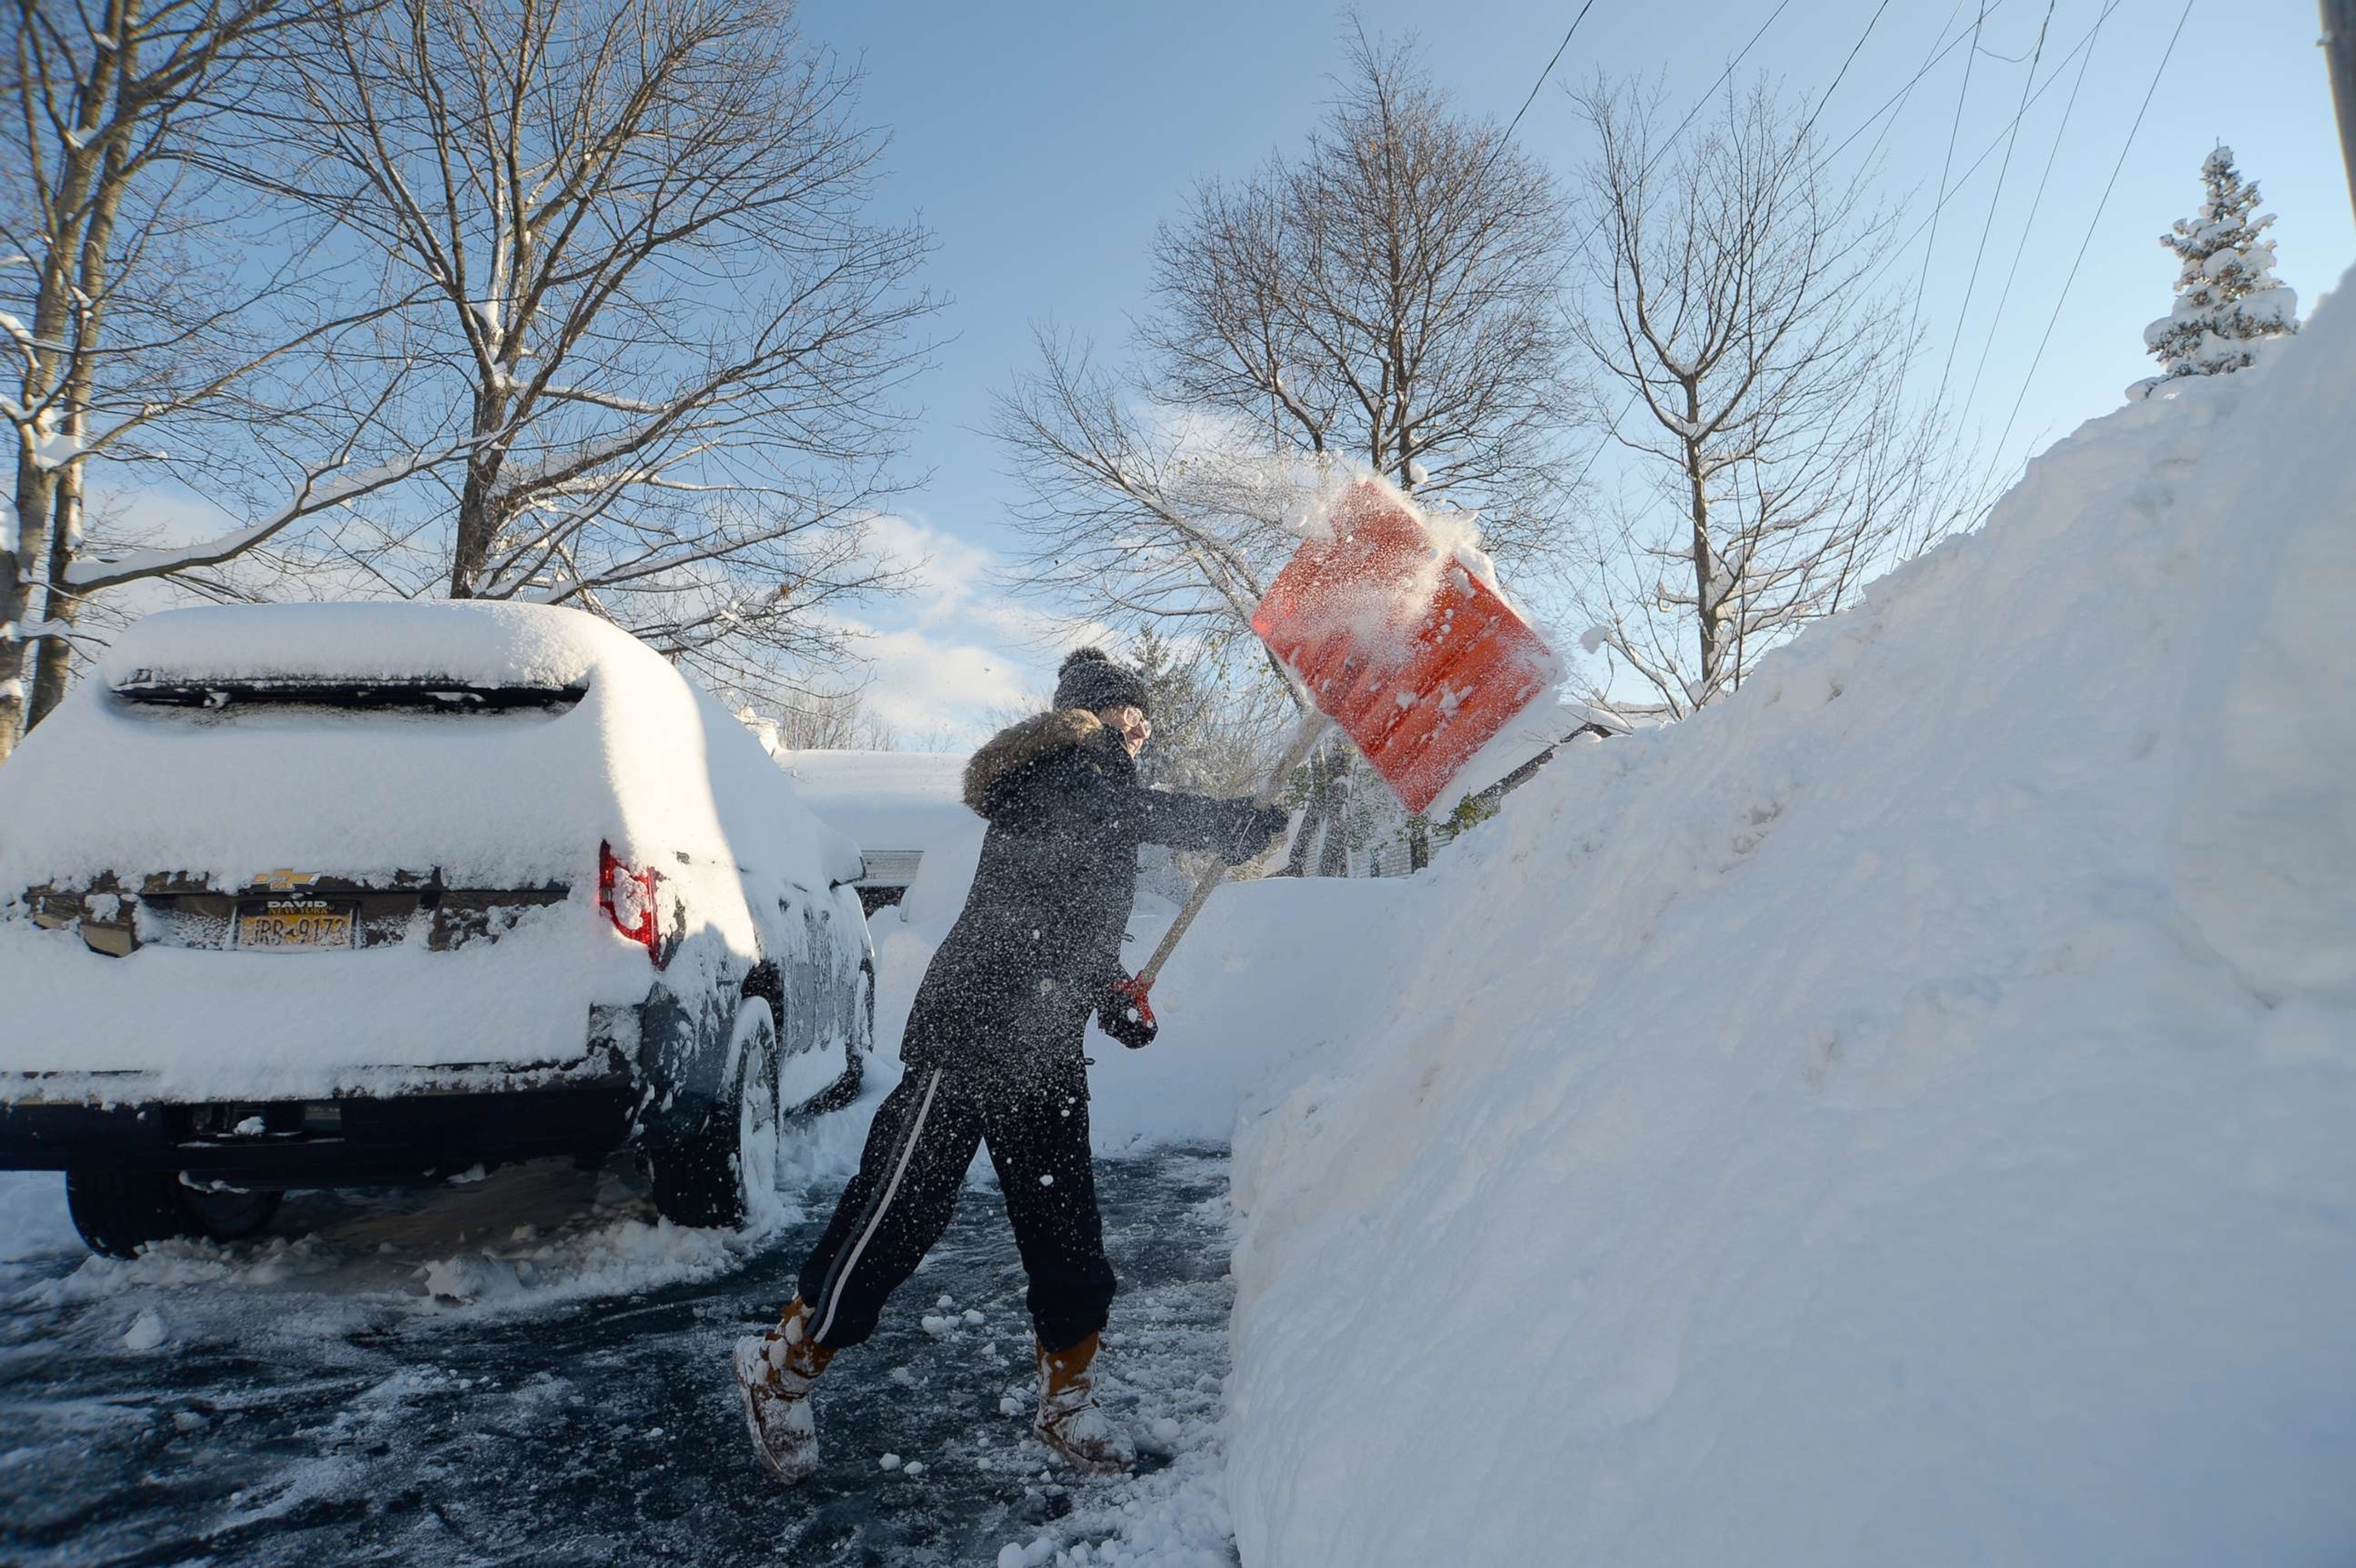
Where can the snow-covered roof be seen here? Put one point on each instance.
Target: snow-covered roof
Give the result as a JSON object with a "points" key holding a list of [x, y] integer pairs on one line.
{"points": [[644, 761], [886, 801], [476, 643]]}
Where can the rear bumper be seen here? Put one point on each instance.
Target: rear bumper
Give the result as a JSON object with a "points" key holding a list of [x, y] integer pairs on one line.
{"points": [[359, 1140]]}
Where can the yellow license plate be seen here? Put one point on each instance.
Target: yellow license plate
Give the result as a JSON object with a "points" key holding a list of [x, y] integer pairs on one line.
{"points": [[285, 926]]}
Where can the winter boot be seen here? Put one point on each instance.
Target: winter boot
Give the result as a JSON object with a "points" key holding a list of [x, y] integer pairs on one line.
{"points": [[775, 1370], [1069, 1420]]}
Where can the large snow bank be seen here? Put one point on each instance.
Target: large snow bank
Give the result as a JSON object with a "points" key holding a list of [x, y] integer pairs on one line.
{"points": [[1900, 1114]]}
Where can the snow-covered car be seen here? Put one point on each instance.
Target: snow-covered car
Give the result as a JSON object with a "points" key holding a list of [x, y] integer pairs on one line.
{"points": [[359, 895]]}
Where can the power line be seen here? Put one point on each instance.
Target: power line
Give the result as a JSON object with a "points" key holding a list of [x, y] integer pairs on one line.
{"points": [[2011, 137], [1713, 86], [2029, 226], [2149, 94], [1953, 127], [1541, 81], [1989, 151], [1853, 49], [1700, 104], [1939, 51]]}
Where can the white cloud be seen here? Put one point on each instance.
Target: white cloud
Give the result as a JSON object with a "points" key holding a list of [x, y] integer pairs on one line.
{"points": [[942, 692], [956, 650]]}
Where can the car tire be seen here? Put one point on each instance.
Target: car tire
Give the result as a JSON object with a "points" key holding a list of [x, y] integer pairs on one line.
{"points": [[728, 1172], [118, 1213], [229, 1216]]}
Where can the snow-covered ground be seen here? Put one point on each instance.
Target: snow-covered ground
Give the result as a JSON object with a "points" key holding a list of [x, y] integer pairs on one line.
{"points": [[1902, 1114], [276, 1407]]}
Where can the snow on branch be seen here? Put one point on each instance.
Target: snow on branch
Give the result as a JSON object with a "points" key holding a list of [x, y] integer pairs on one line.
{"points": [[311, 496]]}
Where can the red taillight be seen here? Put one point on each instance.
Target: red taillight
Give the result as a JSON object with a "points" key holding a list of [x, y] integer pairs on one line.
{"points": [[631, 900]]}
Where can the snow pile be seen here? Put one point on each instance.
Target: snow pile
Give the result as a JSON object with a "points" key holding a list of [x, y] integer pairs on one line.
{"points": [[525, 1238], [1900, 1114]]}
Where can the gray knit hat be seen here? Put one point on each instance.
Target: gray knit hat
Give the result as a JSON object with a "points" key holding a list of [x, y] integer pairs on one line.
{"points": [[1089, 678]]}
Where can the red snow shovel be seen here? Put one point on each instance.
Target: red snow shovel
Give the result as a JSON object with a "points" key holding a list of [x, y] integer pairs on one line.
{"points": [[1406, 646]]}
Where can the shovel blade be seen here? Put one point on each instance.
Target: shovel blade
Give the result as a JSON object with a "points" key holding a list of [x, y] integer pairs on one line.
{"points": [[1403, 645]]}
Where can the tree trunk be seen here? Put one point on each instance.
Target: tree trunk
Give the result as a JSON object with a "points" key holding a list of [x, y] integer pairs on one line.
{"points": [[59, 604], [478, 522], [20, 572], [1703, 559], [1334, 852], [73, 276], [1312, 816]]}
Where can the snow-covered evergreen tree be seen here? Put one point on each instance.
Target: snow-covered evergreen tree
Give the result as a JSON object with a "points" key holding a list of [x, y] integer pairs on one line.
{"points": [[2227, 296]]}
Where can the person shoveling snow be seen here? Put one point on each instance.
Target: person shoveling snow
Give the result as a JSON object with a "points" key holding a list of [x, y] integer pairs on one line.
{"points": [[993, 1056]]}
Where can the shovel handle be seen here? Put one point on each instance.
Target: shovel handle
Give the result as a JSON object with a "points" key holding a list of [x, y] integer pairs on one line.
{"points": [[1304, 741]]}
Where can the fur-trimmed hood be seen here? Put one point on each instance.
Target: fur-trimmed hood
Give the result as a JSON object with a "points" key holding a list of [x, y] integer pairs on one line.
{"points": [[1019, 745]]}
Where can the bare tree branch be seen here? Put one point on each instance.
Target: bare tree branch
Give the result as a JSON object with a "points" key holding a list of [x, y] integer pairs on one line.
{"points": [[1778, 466]]}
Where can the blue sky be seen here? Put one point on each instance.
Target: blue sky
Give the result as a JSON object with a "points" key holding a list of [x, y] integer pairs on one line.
{"points": [[1040, 143]]}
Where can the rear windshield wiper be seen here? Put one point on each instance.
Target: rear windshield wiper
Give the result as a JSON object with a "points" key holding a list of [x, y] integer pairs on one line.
{"points": [[407, 696]]}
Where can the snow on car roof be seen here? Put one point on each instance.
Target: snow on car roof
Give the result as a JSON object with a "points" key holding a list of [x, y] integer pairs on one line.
{"points": [[645, 761], [476, 643], [885, 800]]}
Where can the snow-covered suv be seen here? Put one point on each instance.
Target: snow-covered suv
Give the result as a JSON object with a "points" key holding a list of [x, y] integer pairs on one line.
{"points": [[319, 895]]}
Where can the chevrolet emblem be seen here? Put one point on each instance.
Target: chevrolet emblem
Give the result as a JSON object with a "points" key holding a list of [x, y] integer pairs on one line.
{"points": [[284, 881]]}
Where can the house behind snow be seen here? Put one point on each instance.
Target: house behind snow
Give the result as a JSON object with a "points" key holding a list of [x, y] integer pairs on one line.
{"points": [[895, 805]]}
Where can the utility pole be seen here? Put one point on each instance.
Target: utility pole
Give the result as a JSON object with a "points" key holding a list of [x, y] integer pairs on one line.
{"points": [[2340, 54]]}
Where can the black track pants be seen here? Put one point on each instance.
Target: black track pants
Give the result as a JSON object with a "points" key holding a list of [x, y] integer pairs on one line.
{"points": [[922, 1139]]}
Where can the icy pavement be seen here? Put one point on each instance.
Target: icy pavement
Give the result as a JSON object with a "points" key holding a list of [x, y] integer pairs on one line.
{"points": [[567, 1400]]}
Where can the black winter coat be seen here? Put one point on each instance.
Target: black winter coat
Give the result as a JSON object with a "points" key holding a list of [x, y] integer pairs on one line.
{"points": [[1039, 939]]}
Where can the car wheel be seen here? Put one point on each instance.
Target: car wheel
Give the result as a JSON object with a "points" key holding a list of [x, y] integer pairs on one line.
{"points": [[231, 1216], [708, 1180], [118, 1213]]}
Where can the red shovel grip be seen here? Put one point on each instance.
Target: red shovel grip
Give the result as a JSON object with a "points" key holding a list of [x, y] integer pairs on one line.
{"points": [[1135, 992]]}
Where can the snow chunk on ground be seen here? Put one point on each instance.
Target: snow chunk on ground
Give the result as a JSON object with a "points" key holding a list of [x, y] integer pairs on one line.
{"points": [[1899, 1115]]}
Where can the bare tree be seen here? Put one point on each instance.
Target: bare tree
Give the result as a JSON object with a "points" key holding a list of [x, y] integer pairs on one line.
{"points": [[1142, 515], [656, 325], [836, 720], [1779, 465], [153, 321], [1388, 299]]}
